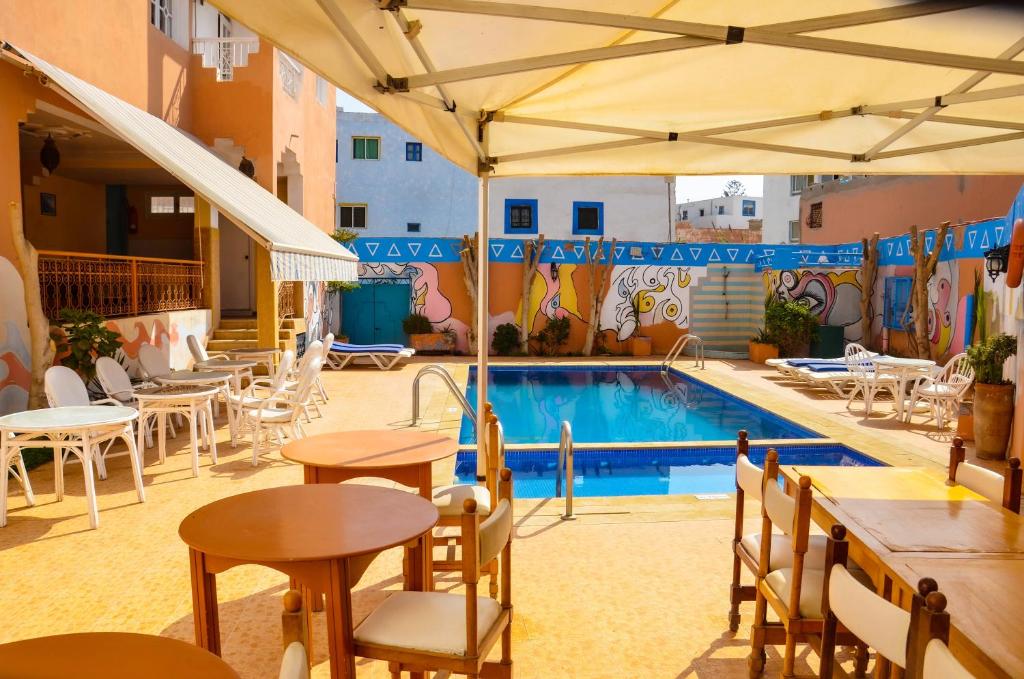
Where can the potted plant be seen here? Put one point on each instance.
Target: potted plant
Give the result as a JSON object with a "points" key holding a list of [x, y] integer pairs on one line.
{"points": [[791, 326], [506, 339], [993, 396], [81, 338], [761, 347], [422, 336], [553, 337]]}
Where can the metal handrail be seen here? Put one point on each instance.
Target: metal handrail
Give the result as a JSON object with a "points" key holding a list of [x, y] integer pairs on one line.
{"points": [[677, 348], [565, 460], [446, 377]]}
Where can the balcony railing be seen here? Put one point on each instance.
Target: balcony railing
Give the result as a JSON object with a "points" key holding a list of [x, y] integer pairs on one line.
{"points": [[225, 54], [113, 285], [286, 299], [291, 75]]}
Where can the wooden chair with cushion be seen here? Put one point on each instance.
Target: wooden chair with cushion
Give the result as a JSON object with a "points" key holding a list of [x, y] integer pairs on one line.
{"points": [[746, 549], [437, 631], [295, 638], [449, 500], [794, 592], [1004, 489], [928, 653], [851, 607]]}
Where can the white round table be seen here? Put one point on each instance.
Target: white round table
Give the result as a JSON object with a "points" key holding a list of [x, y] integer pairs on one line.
{"points": [[238, 370], [78, 430], [221, 380], [266, 356], [904, 369], [192, 401]]}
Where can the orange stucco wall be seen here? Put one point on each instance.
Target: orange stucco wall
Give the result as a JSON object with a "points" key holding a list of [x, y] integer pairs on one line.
{"points": [[891, 205]]}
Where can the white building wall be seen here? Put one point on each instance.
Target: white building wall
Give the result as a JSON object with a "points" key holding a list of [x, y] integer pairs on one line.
{"points": [[635, 208], [721, 212], [781, 206]]}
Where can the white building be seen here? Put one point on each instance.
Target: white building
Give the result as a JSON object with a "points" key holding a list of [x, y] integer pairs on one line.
{"points": [[781, 222], [722, 212], [626, 208]]}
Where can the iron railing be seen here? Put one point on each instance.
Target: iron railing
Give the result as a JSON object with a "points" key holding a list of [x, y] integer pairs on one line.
{"points": [[115, 285], [565, 462], [286, 299], [225, 54], [677, 348]]}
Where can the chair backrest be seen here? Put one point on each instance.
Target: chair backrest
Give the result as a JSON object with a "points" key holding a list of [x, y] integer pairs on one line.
{"points": [[1003, 489], [63, 387], [328, 343], [928, 655], [307, 378], [155, 361], [114, 379], [197, 350], [315, 349], [939, 663], [857, 358], [482, 542], [295, 635], [284, 367], [749, 477], [958, 373]]}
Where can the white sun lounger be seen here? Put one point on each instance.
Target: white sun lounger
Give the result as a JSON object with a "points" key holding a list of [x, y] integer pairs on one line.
{"points": [[385, 356]]}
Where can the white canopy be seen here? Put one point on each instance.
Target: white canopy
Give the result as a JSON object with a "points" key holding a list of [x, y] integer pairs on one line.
{"points": [[671, 87], [299, 251]]}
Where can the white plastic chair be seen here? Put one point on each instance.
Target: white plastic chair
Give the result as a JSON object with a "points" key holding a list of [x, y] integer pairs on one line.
{"points": [[262, 387], [64, 388], [281, 409], [314, 350], [327, 344], [154, 361], [943, 391], [199, 354], [868, 381]]}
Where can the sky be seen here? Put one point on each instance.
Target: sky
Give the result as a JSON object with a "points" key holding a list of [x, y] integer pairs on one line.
{"points": [[687, 188]]}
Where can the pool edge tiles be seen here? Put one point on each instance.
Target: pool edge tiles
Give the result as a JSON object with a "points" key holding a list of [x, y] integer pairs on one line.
{"points": [[798, 432]]}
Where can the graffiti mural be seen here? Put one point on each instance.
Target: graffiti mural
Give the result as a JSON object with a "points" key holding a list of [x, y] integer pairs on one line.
{"points": [[833, 296], [646, 295], [552, 293], [168, 331], [15, 355], [945, 319], [317, 320]]}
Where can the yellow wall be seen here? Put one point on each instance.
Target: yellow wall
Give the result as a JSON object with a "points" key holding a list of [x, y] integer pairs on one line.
{"points": [[80, 224]]}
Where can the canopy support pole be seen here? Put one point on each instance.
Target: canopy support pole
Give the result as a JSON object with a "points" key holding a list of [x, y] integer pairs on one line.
{"points": [[482, 319]]}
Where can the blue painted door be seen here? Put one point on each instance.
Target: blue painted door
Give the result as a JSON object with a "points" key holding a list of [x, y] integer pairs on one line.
{"points": [[373, 314]]}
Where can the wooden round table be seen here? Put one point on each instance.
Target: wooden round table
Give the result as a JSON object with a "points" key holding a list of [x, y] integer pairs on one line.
{"points": [[322, 536], [109, 655], [400, 455]]}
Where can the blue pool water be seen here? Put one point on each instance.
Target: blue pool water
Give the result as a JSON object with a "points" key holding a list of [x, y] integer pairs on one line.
{"points": [[607, 405], [658, 471]]}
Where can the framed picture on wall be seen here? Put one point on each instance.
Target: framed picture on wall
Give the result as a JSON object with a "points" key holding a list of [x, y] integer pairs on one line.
{"points": [[48, 204]]}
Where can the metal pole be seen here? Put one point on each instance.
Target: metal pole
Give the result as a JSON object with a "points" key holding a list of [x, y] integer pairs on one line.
{"points": [[482, 323]]}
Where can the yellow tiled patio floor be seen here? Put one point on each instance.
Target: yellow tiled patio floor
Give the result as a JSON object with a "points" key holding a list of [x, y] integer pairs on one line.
{"points": [[635, 587]]}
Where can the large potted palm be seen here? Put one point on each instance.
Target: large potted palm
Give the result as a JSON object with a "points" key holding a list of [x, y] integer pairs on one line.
{"points": [[993, 396]]}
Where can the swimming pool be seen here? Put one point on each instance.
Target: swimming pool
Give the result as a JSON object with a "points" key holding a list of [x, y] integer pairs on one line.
{"points": [[619, 405], [653, 471]]}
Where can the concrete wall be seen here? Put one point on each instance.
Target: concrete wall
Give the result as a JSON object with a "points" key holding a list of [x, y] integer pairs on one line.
{"points": [[720, 212], [434, 193], [781, 206], [168, 330], [635, 208], [890, 205]]}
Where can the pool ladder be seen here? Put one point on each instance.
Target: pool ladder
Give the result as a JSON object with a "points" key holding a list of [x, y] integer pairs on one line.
{"points": [[677, 348], [565, 462], [446, 377]]}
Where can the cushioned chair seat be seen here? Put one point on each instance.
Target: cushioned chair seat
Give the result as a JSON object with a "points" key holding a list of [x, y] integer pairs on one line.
{"points": [[426, 621], [782, 550], [810, 592], [449, 499], [273, 414], [937, 390]]}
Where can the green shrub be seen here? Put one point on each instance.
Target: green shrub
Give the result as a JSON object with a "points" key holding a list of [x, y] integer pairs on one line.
{"points": [[762, 337], [506, 339], [790, 326], [85, 338], [554, 335], [417, 324], [988, 356]]}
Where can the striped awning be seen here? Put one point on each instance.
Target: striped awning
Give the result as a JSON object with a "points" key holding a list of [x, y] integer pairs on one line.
{"points": [[299, 250]]}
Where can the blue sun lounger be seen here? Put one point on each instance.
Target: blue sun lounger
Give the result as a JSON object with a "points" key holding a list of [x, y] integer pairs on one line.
{"points": [[385, 356]]}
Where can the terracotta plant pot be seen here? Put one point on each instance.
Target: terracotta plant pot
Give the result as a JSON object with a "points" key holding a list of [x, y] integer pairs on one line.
{"points": [[993, 413], [759, 353], [965, 421], [641, 346], [431, 342]]}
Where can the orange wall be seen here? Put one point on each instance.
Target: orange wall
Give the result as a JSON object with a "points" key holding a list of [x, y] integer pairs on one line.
{"points": [[109, 43], [891, 205], [81, 221]]}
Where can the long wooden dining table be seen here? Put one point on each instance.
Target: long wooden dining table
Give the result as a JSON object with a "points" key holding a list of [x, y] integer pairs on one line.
{"points": [[904, 524]]}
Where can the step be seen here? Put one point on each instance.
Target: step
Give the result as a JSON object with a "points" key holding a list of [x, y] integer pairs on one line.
{"points": [[228, 323], [233, 333], [219, 345]]}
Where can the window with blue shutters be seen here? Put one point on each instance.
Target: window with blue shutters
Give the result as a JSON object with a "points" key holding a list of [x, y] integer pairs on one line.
{"points": [[896, 299], [413, 151], [520, 215]]}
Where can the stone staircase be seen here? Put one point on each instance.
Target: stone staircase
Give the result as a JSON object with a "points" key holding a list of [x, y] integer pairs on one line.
{"points": [[240, 333], [726, 321]]}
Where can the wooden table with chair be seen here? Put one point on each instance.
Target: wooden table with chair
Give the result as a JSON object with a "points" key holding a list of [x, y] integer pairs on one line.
{"points": [[322, 536]]}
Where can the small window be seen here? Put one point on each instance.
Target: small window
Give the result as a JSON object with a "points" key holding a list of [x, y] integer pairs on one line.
{"points": [[587, 218], [353, 216], [161, 17], [413, 151], [749, 208], [721, 209], [186, 205], [897, 297], [702, 212], [686, 214], [520, 215], [366, 148], [794, 231], [815, 216], [161, 205], [412, 227], [321, 91]]}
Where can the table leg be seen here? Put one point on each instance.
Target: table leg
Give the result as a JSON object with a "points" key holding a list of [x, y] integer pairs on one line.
{"points": [[90, 482], [339, 621], [193, 436], [141, 444], [58, 472], [426, 490], [204, 603], [26, 485], [161, 433], [232, 420], [211, 432], [136, 458], [5, 477]]}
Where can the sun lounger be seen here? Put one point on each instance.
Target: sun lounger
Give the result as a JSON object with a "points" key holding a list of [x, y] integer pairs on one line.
{"points": [[385, 356]]}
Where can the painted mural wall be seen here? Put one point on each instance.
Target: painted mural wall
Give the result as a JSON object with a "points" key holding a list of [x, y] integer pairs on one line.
{"points": [[167, 330], [833, 295]]}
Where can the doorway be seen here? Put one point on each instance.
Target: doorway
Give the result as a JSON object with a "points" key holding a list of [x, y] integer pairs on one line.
{"points": [[236, 270], [373, 314]]}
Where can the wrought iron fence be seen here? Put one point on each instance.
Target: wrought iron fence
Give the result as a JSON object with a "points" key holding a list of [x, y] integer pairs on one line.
{"points": [[113, 285], [286, 299]]}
